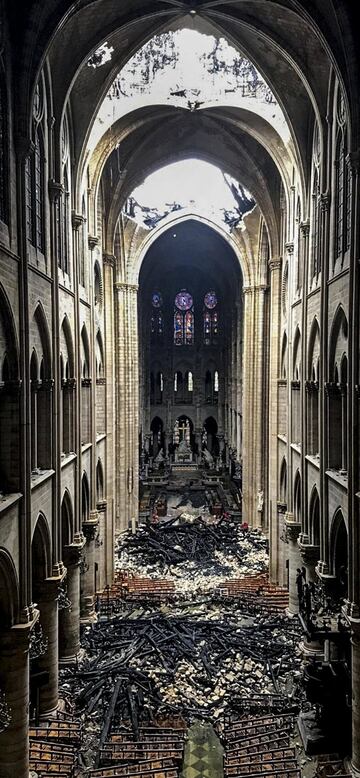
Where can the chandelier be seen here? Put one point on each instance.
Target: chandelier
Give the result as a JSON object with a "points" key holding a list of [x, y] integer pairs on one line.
{"points": [[5, 713]]}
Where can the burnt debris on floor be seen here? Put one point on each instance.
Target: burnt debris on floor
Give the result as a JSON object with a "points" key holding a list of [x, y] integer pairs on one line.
{"points": [[191, 630]]}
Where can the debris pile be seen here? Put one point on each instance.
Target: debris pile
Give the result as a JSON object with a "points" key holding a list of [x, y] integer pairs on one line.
{"points": [[198, 556], [260, 746], [191, 629]]}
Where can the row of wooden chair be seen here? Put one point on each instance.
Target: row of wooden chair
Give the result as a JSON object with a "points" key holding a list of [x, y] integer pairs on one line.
{"points": [[260, 746]]}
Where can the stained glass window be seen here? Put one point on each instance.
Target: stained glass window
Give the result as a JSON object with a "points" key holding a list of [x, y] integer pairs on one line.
{"points": [[157, 319], [156, 300], [178, 328], [183, 301], [210, 318], [183, 319], [210, 300]]}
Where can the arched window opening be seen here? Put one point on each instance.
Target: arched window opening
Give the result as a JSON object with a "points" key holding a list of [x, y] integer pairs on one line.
{"points": [[85, 498], [315, 519], [9, 400], [312, 391], [183, 319], [67, 387], [283, 482], [179, 387], [157, 440], [297, 498], [216, 382], [295, 391], [157, 317], [208, 387], [98, 287], [210, 318], [340, 188], [4, 146], [315, 224], [159, 386], [336, 391], [82, 243], [190, 383], [340, 553], [99, 482], [85, 388], [210, 440]]}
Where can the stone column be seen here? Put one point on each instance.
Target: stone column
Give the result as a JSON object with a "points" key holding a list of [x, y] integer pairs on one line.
{"points": [[14, 683], [87, 569], [109, 326], [275, 289], [310, 556], [100, 543], [293, 529], [47, 594], [127, 383], [69, 618], [253, 402], [281, 573]]}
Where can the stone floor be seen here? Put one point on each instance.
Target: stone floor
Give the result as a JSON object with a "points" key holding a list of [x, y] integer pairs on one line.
{"points": [[203, 756]]}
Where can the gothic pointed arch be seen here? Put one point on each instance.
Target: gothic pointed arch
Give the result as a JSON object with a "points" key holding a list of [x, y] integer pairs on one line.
{"points": [[9, 591], [314, 515]]}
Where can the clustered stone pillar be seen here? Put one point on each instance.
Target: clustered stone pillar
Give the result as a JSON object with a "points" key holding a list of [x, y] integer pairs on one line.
{"points": [[253, 403], [127, 383], [293, 529], [47, 594], [69, 618], [87, 569], [355, 702], [14, 683], [275, 569], [310, 557]]}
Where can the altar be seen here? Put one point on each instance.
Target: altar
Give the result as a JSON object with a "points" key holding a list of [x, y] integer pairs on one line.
{"points": [[183, 453]]}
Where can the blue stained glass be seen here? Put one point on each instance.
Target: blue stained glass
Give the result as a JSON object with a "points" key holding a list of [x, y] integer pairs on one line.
{"points": [[156, 300]]}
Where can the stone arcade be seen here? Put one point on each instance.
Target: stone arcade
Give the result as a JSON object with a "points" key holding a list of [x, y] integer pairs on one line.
{"points": [[213, 331]]}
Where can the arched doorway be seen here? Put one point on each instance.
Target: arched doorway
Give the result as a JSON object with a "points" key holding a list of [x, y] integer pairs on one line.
{"points": [[210, 439], [157, 437], [340, 554]]}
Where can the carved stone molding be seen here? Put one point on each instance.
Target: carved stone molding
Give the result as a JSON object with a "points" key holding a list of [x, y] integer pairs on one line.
{"points": [[109, 259], [77, 219], [305, 228], [56, 190], [93, 241], [275, 263]]}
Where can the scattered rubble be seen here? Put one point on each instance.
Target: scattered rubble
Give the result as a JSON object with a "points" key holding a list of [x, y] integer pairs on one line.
{"points": [[199, 555]]}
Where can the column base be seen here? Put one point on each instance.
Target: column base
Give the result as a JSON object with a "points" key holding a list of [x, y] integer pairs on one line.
{"points": [[291, 614], [350, 768]]}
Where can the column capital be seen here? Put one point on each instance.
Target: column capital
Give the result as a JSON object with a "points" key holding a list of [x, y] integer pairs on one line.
{"points": [[274, 263], [48, 589], [101, 506], [324, 202], [305, 228], [109, 259], [121, 286], [90, 526], [93, 240], [56, 190], [281, 507], [77, 219], [292, 527], [12, 387], [309, 553], [290, 247]]}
